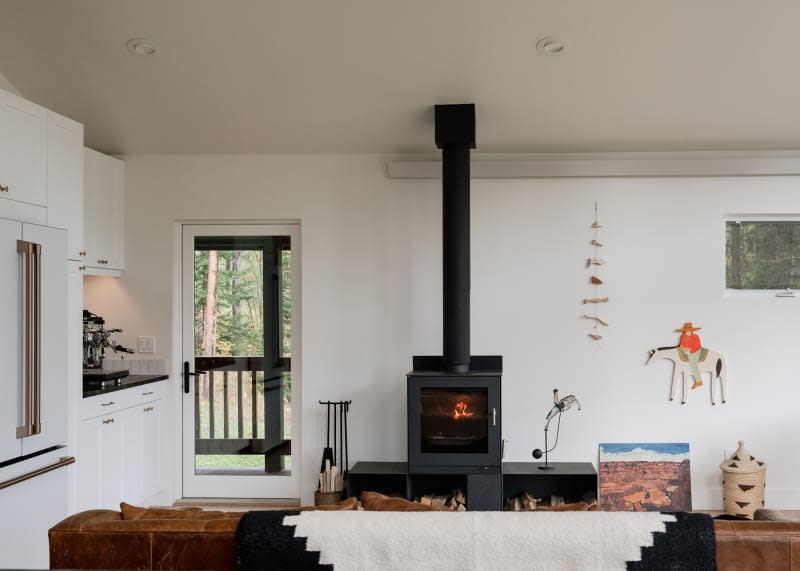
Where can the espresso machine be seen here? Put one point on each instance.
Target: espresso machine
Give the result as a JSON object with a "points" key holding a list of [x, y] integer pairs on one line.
{"points": [[96, 339]]}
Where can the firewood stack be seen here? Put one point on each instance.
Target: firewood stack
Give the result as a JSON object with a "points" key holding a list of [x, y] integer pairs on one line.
{"points": [[455, 502], [526, 502]]}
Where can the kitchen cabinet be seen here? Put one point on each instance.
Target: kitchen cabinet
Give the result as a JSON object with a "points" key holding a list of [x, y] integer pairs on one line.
{"points": [[23, 126], [103, 213], [120, 450], [100, 466], [65, 180], [144, 450]]}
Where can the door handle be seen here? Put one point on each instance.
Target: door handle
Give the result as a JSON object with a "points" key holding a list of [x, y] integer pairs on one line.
{"points": [[187, 374], [33, 320]]}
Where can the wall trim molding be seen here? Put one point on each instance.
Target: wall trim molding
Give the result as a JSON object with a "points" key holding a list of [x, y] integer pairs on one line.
{"points": [[611, 165]]}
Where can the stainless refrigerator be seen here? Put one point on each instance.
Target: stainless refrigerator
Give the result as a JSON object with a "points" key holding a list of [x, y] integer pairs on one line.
{"points": [[34, 409]]}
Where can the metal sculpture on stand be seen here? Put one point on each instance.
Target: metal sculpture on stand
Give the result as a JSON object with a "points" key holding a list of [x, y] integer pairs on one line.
{"points": [[560, 406]]}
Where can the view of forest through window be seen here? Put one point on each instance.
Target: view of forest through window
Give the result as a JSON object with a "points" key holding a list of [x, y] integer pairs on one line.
{"points": [[762, 254], [229, 321]]}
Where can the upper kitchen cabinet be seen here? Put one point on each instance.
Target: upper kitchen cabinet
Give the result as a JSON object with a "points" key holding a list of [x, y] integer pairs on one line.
{"points": [[65, 181], [103, 213], [23, 156]]}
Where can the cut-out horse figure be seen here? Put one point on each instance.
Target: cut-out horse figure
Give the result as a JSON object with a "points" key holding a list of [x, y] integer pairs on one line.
{"points": [[712, 362]]}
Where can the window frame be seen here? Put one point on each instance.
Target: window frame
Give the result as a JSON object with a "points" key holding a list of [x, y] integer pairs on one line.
{"points": [[777, 294]]}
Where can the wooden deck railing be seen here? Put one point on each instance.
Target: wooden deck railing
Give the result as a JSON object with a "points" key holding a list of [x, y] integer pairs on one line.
{"points": [[241, 379]]}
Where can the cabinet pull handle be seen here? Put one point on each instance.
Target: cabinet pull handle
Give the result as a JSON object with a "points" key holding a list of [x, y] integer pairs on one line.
{"points": [[494, 417], [82, 253], [109, 403], [108, 421], [82, 268], [3, 188], [148, 408], [147, 393]]}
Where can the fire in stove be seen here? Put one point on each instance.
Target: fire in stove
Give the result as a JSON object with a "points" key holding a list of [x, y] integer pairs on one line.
{"points": [[461, 410]]}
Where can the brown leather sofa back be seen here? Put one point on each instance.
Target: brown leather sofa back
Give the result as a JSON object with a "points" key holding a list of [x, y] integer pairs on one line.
{"points": [[101, 539], [757, 545]]}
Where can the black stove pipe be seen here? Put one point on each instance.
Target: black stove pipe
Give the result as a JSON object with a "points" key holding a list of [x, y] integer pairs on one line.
{"points": [[455, 135]]}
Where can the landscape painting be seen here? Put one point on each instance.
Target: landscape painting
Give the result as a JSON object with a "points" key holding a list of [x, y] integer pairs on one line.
{"points": [[645, 477]]}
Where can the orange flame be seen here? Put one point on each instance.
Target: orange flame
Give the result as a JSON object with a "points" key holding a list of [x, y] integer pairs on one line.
{"points": [[461, 410]]}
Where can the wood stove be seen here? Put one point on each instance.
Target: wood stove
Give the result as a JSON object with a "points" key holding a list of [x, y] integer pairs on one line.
{"points": [[454, 419]]}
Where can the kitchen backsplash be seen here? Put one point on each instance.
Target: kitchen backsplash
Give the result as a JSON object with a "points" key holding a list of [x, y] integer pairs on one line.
{"points": [[138, 366]]}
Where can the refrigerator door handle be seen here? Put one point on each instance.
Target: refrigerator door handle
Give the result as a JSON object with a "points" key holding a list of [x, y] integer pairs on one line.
{"points": [[64, 461], [33, 378]]}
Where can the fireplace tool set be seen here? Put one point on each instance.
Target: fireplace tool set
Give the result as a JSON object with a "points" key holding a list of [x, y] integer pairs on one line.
{"points": [[331, 473]]}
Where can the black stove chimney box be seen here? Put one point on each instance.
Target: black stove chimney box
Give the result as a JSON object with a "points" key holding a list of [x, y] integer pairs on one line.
{"points": [[455, 381]]}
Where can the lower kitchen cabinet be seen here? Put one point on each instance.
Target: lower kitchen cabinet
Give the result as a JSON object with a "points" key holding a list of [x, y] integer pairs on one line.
{"points": [[119, 453]]}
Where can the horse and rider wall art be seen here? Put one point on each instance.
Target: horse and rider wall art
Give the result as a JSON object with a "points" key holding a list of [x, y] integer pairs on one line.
{"points": [[693, 360]]}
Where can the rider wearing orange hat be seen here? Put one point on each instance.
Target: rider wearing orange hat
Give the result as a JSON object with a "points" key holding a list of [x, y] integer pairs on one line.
{"points": [[690, 346]]}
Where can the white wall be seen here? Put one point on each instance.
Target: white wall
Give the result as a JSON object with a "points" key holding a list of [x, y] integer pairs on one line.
{"points": [[371, 298]]}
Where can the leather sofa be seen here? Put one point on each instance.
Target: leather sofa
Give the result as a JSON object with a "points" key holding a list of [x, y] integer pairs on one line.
{"points": [[102, 539]]}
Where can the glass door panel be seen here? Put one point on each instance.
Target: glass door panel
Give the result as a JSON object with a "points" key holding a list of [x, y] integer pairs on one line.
{"points": [[239, 303]]}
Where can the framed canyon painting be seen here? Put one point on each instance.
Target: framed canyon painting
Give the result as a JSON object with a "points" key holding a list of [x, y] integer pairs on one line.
{"points": [[645, 477]]}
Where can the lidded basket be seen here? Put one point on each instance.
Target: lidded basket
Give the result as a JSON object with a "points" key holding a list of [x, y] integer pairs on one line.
{"points": [[743, 483]]}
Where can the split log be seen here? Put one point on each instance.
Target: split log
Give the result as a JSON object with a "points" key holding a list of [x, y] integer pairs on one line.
{"points": [[515, 505], [439, 502], [595, 262], [458, 495], [595, 336], [426, 500], [571, 507], [596, 300], [595, 280], [461, 508], [528, 501], [596, 243], [596, 225]]}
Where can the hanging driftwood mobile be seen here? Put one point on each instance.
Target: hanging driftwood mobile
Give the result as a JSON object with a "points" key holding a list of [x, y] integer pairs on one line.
{"points": [[595, 263]]}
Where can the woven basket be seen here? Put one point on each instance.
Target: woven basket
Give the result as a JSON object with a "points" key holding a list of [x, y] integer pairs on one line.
{"points": [[327, 498], [743, 483]]}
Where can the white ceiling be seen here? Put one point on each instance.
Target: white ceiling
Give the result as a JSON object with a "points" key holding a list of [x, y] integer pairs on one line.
{"points": [[361, 76]]}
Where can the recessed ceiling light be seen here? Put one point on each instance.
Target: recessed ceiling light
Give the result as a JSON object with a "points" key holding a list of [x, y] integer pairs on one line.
{"points": [[141, 47], [550, 46]]}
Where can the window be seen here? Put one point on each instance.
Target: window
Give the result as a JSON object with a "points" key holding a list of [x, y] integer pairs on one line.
{"points": [[762, 254]]}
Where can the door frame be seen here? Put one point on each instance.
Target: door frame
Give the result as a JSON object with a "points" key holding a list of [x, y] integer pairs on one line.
{"points": [[271, 487]]}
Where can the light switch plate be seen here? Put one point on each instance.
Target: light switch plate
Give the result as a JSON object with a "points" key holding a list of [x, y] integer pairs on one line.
{"points": [[147, 344]]}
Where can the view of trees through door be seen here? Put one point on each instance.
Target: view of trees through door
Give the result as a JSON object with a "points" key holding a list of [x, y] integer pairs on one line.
{"points": [[242, 306]]}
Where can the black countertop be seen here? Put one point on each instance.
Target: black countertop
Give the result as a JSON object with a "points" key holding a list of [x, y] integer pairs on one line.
{"points": [[124, 383]]}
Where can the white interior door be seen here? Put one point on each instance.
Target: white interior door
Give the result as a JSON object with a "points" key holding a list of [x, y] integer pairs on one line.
{"points": [[241, 308]]}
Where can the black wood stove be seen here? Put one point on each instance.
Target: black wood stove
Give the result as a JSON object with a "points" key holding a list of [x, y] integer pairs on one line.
{"points": [[454, 400]]}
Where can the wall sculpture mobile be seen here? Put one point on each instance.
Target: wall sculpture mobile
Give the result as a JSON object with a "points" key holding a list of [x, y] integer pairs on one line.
{"points": [[594, 264], [692, 359]]}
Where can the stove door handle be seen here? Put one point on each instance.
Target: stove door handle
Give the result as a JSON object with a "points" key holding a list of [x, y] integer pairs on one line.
{"points": [[494, 417]]}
